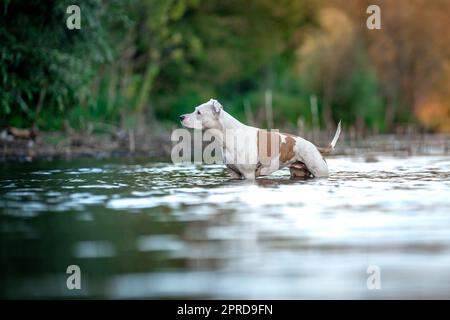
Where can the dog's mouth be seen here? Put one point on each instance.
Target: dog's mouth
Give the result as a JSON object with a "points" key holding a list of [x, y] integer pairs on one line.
{"points": [[182, 119], [185, 125], [192, 125]]}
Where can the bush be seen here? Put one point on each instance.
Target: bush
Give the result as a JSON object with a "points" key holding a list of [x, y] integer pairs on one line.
{"points": [[43, 63]]}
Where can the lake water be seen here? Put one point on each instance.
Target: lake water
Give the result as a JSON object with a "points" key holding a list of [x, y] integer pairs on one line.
{"points": [[140, 229]]}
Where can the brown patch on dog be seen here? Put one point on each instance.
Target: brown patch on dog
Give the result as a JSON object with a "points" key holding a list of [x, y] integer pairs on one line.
{"points": [[287, 149], [270, 145]]}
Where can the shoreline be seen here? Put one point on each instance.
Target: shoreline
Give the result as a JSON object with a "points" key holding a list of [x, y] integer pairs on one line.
{"points": [[49, 146]]}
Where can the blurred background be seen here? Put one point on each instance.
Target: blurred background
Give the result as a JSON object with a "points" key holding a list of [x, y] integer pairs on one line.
{"points": [[136, 65]]}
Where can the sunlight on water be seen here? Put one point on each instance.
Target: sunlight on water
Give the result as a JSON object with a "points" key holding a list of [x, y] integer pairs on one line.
{"points": [[157, 230]]}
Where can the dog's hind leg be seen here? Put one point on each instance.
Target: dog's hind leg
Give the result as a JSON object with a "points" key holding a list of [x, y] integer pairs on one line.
{"points": [[299, 170], [308, 154]]}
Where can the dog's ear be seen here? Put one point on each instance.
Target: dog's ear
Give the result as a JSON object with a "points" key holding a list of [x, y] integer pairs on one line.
{"points": [[216, 106]]}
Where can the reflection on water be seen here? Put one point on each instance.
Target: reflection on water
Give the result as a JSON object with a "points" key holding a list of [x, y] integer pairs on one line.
{"points": [[156, 230]]}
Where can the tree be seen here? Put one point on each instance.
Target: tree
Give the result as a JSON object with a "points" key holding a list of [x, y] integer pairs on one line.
{"points": [[334, 65], [42, 63], [410, 52]]}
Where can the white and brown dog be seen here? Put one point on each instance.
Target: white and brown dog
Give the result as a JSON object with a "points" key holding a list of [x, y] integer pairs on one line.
{"points": [[263, 151]]}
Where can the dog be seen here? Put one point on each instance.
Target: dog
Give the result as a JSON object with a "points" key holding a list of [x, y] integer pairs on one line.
{"points": [[265, 151]]}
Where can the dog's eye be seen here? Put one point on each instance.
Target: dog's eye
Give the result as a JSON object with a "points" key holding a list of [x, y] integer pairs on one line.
{"points": [[198, 112]]}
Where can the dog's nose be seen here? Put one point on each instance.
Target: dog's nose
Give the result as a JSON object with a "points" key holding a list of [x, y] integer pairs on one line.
{"points": [[182, 117]]}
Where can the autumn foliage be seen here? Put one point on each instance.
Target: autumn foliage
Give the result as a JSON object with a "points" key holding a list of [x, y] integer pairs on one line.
{"points": [[411, 57]]}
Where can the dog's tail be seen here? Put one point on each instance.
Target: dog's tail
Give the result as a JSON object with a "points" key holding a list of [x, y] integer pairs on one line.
{"points": [[330, 148]]}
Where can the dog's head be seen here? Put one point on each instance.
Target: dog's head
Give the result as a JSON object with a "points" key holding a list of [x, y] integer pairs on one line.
{"points": [[205, 116]]}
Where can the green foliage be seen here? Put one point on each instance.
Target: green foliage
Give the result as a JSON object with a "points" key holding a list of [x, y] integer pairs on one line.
{"points": [[231, 51], [156, 59], [151, 42], [358, 96], [42, 63], [343, 81]]}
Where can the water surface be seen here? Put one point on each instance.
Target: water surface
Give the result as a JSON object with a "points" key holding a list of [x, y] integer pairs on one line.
{"points": [[140, 229]]}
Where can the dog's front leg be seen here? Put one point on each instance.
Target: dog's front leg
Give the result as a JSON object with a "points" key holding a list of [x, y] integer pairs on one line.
{"points": [[234, 174]]}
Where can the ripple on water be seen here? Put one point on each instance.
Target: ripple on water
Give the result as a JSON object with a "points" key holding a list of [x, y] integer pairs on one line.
{"points": [[187, 230]]}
